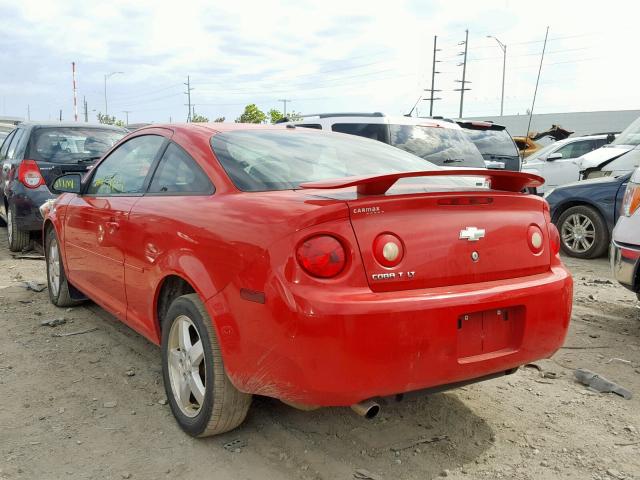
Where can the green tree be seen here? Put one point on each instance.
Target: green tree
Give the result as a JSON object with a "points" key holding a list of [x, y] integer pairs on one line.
{"points": [[275, 115], [294, 116], [199, 118], [109, 120], [219, 120], [252, 114]]}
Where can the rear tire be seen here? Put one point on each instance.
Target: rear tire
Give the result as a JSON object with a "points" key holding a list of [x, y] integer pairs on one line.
{"points": [[201, 396], [583, 232], [18, 239], [57, 282]]}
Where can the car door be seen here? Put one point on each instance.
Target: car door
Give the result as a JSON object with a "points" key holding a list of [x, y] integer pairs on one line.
{"points": [[5, 167], [565, 170], [162, 221], [96, 221]]}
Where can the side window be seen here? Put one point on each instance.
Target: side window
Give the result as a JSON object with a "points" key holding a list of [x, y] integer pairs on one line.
{"points": [[375, 131], [13, 148], [178, 173], [567, 151], [5, 145], [126, 168]]}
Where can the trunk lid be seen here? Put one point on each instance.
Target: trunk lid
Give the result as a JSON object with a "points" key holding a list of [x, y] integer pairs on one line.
{"points": [[430, 227], [50, 171]]}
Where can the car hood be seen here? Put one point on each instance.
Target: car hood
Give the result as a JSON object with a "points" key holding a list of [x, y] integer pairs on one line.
{"points": [[591, 182], [602, 154]]}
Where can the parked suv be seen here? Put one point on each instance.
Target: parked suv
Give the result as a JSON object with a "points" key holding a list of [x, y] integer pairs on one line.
{"points": [[495, 144], [439, 141], [557, 162], [625, 247], [32, 156]]}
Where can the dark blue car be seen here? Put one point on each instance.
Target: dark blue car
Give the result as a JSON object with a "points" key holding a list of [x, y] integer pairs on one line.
{"points": [[585, 213], [32, 157]]}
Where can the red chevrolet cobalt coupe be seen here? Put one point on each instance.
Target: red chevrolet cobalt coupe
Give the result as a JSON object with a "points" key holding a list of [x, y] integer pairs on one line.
{"points": [[318, 268]]}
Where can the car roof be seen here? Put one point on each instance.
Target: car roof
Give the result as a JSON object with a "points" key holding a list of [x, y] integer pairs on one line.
{"points": [[72, 125], [376, 118]]}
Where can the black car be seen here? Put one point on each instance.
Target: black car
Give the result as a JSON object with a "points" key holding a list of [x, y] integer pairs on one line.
{"points": [[498, 149], [32, 156], [585, 213]]}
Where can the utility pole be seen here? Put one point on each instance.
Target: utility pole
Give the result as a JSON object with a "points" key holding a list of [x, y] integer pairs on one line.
{"points": [[75, 92], [535, 92], [284, 101], [432, 90], [86, 110], [126, 113], [60, 118], [503, 47], [188, 93], [464, 72], [106, 77]]}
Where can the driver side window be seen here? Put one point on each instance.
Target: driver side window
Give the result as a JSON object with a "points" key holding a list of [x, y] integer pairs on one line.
{"points": [[124, 171]]}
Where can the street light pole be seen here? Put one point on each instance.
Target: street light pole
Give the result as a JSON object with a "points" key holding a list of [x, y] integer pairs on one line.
{"points": [[107, 76], [504, 66]]}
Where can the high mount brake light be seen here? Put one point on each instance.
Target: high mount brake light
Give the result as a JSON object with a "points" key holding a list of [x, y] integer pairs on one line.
{"points": [[321, 256], [29, 174], [388, 250]]}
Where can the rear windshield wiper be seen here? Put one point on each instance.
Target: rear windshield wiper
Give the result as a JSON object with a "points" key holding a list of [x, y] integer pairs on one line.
{"points": [[89, 159], [453, 160]]}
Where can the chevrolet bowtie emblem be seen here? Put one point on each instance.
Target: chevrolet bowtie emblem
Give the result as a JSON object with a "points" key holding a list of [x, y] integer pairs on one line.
{"points": [[472, 234]]}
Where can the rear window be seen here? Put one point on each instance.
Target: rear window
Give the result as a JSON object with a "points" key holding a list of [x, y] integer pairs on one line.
{"points": [[71, 144], [283, 159], [493, 143], [447, 147]]}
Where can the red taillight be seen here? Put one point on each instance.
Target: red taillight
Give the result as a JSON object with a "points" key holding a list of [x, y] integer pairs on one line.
{"points": [[388, 250], [554, 239], [321, 256], [29, 174]]}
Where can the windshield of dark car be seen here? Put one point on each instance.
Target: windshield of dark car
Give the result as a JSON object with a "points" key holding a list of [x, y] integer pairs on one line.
{"points": [[259, 160], [493, 142], [448, 147], [71, 144]]}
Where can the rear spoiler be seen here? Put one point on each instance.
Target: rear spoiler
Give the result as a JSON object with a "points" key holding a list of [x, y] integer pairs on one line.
{"points": [[379, 184]]}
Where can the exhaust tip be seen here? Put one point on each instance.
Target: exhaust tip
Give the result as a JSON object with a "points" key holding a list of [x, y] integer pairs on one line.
{"points": [[367, 409]]}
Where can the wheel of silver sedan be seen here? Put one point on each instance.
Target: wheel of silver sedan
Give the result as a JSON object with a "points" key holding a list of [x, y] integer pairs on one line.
{"points": [[53, 264], [187, 369], [578, 233]]}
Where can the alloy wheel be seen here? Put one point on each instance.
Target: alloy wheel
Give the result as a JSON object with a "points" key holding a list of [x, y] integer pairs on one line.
{"points": [[578, 233], [53, 270], [187, 368]]}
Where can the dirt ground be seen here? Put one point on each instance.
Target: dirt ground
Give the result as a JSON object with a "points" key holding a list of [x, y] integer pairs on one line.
{"points": [[91, 406]]}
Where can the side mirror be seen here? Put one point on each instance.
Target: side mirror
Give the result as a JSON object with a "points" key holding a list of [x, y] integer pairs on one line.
{"points": [[610, 137], [554, 156], [69, 183]]}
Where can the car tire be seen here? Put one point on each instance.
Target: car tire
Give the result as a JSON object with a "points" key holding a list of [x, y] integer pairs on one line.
{"points": [[583, 232], [57, 282], [18, 239], [203, 400]]}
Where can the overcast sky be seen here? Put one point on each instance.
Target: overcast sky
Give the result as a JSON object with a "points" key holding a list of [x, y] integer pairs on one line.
{"points": [[323, 56]]}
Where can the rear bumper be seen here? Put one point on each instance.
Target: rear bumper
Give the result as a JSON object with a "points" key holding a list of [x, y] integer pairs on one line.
{"points": [[328, 348], [27, 203], [625, 262]]}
